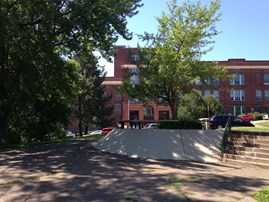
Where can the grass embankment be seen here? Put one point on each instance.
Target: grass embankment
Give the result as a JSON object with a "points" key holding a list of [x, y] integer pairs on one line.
{"points": [[89, 137], [261, 126]]}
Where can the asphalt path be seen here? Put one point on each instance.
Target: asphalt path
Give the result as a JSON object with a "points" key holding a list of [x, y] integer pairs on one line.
{"points": [[76, 171]]}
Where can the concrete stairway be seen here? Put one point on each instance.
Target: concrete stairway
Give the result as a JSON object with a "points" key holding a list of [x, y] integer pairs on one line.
{"points": [[248, 148]]}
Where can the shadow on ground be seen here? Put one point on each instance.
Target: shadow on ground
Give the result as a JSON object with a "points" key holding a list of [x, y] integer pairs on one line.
{"points": [[75, 171]]}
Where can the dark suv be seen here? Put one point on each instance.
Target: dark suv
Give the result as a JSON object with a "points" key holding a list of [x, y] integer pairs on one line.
{"points": [[220, 121]]}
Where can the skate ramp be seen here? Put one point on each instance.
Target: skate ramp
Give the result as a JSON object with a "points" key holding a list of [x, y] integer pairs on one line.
{"points": [[189, 145]]}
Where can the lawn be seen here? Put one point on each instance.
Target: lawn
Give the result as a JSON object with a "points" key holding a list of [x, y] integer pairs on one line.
{"points": [[262, 126]]}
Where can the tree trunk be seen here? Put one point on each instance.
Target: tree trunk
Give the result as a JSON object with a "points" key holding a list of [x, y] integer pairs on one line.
{"points": [[174, 107], [86, 129], [3, 124], [79, 116]]}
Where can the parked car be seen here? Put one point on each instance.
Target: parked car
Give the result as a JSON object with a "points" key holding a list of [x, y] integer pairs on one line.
{"points": [[220, 121], [150, 126], [247, 117], [69, 134], [107, 130], [96, 132]]}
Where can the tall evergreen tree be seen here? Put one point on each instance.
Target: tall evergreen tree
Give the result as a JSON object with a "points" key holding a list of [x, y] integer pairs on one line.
{"points": [[91, 102]]}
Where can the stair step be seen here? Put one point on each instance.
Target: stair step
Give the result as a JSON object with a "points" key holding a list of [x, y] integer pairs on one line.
{"points": [[260, 136], [236, 162], [248, 148], [247, 158], [252, 141], [249, 153]]}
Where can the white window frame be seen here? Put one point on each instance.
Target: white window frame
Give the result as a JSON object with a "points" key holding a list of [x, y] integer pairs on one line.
{"points": [[237, 95], [216, 94], [266, 95], [266, 79], [239, 109], [238, 80], [117, 109], [258, 95], [135, 57]]}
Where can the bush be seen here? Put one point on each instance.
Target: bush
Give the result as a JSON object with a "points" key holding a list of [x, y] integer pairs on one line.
{"points": [[257, 116], [176, 124]]}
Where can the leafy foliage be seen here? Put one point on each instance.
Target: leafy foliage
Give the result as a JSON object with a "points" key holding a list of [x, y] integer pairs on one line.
{"points": [[171, 60], [180, 124], [36, 83], [192, 107], [214, 105]]}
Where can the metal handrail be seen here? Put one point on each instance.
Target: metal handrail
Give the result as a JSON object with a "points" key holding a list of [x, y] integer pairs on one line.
{"points": [[226, 134]]}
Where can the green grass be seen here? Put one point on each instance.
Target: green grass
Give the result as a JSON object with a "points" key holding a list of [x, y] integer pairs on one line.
{"points": [[259, 126], [88, 137], [262, 195], [175, 182]]}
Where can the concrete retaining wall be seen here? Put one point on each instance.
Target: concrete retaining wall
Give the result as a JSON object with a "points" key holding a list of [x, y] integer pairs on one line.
{"points": [[196, 145]]}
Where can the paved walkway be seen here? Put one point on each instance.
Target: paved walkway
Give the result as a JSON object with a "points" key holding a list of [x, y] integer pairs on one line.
{"points": [[75, 171]]}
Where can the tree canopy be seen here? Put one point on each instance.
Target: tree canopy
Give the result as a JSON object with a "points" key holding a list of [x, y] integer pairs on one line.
{"points": [[37, 37], [171, 61]]}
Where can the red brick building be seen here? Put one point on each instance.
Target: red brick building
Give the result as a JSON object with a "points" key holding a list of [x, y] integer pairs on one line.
{"points": [[247, 92]]}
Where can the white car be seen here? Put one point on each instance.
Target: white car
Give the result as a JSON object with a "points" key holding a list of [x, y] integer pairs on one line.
{"points": [[69, 134], [265, 117], [150, 126]]}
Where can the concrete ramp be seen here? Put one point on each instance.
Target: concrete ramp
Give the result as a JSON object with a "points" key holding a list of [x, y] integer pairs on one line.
{"points": [[195, 145]]}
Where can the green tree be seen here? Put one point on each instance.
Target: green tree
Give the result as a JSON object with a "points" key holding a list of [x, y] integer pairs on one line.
{"points": [[214, 105], [192, 107], [91, 100], [171, 59], [35, 36]]}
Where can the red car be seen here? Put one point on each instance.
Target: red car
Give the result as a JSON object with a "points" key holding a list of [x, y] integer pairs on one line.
{"points": [[107, 130], [247, 117]]}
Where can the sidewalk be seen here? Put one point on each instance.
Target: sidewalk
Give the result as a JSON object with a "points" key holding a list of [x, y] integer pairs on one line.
{"points": [[75, 171]]}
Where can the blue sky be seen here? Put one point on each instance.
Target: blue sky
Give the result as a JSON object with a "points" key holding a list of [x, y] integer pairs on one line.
{"points": [[244, 25]]}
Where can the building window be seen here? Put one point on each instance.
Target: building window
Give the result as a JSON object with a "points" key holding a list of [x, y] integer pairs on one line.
{"points": [[135, 100], [134, 70], [266, 79], [208, 81], [198, 82], [216, 94], [134, 79], [258, 109], [258, 95], [266, 95], [148, 113], [134, 57], [215, 82], [163, 115], [118, 109], [117, 96], [237, 95], [238, 80], [199, 91], [207, 92], [236, 110]]}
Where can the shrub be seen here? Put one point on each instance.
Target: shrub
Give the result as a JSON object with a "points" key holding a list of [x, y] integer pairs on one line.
{"points": [[257, 116], [176, 124]]}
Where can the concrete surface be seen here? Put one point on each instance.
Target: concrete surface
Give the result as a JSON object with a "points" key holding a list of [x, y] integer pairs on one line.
{"points": [[195, 145], [76, 171]]}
